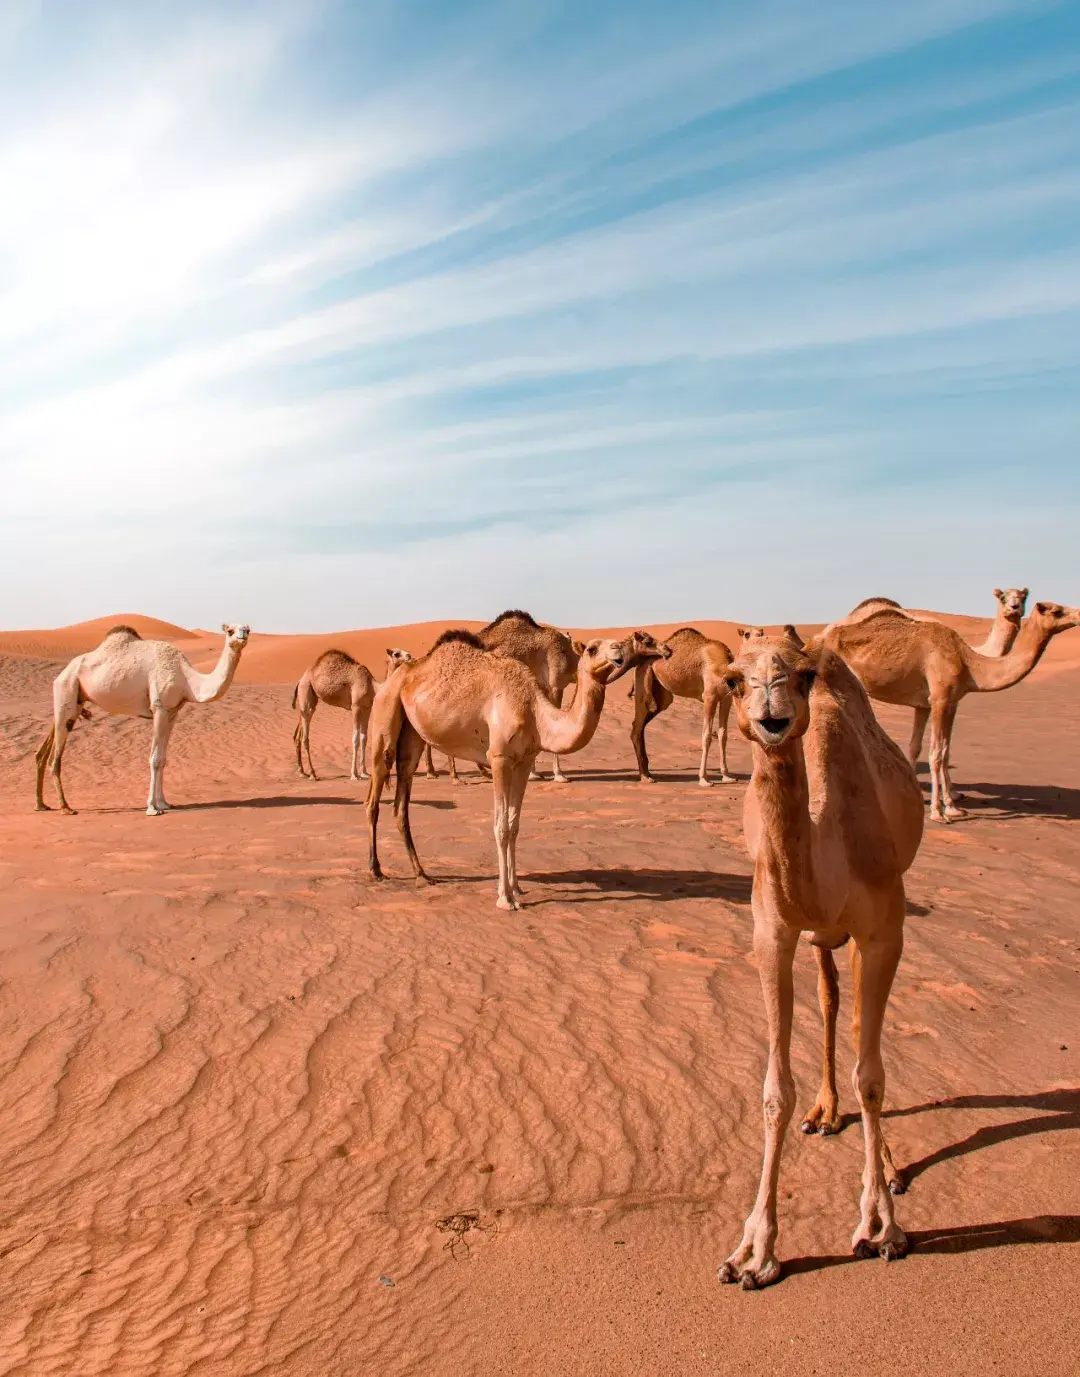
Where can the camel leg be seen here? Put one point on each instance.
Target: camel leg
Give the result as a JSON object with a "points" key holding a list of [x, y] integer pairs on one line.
{"points": [[874, 968], [410, 749], [158, 747], [918, 731], [453, 768], [650, 700], [44, 751], [519, 782], [824, 1118], [170, 723], [298, 737], [942, 806], [754, 1263], [502, 778], [380, 772], [723, 713], [429, 764], [557, 776], [359, 742], [893, 1179]]}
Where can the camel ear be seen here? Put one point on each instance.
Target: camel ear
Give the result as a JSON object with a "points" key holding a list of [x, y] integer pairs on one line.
{"points": [[734, 681], [997, 594], [226, 627], [744, 633], [579, 646], [806, 679], [1043, 608], [1024, 594], [389, 652]]}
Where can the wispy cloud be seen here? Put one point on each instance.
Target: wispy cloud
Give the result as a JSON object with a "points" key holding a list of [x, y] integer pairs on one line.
{"points": [[354, 314]]}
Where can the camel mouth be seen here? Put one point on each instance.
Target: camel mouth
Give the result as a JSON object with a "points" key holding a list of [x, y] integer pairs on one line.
{"points": [[773, 729]]}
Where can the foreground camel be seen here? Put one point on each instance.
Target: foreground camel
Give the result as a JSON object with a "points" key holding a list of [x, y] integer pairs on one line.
{"points": [[833, 818], [130, 677], [695, 669], [488, 708], [925, 665]]}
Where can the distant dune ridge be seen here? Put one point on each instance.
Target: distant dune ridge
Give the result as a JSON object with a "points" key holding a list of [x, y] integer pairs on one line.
{"points": [[281, 659]]}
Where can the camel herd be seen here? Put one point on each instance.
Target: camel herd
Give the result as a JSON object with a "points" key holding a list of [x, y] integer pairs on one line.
{"points": [[833, 813]]}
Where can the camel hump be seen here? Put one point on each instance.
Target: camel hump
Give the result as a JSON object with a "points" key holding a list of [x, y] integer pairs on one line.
{"points": [[121, 632], [881, 602], [686, 633], [513, 614], [460, 636], [341, 656]]}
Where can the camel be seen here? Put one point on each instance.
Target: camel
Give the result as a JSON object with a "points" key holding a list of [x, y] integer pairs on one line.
{"points": [[833, 818], [130, 677], [695, 669], [489, 708], [758, 633], [341, 682], [1008, 616], [925, 665]]}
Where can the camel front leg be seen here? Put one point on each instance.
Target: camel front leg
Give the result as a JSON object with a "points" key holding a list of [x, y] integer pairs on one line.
{"points": [[158, 747], [824, 1118], [708, 713], [519, 782], [305, 736], [170, 724], [943, 807], [359, 744], [873, 969], [380, 772], [918, 731], [754, 1263], [502, 778]]}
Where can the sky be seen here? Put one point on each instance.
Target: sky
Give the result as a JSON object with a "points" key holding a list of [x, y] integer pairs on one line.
{"points": [[320, 315]]}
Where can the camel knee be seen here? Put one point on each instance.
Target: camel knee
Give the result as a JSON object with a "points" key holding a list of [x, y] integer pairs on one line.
{"points": [[868, 1083], [778, 1102]]}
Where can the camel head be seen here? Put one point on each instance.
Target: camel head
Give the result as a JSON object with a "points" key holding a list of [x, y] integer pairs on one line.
{"points": [[1052, 618], [236, 636], [642, 645], [1013, 601], [396, 657], [751, 633], [770, 683], [605, 660]]}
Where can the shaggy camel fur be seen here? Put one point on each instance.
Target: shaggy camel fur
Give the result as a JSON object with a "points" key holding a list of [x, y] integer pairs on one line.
{"points": [[130, 677], [695, 669], [925, 665], [833, 817], [488, 708]]}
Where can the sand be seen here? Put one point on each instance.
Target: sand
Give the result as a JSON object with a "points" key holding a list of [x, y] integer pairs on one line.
{"points": [[260, 1115]]}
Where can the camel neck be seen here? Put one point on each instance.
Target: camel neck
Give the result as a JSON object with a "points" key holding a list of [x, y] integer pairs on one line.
{"points": [[785, 853], [992, 675], [1002, 635], [207, 688], [563, 732]]}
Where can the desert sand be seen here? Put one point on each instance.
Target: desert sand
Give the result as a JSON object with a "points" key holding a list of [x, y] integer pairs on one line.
{"points": [[261, 1115]]}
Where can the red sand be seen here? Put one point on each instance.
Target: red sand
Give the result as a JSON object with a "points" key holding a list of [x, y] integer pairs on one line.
{"points": [[242, 1085]]}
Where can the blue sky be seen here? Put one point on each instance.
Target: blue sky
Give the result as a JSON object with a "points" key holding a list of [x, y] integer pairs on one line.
{"points": [[339, 315]]}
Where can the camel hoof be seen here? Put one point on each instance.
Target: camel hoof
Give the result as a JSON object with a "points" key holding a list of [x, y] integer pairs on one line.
{"points": [[897, 1185], [726, 1275], [423, 880], [67, 812], [728, 779], [507, 905], [42, 808], [646, 779], [376, 872], [893, 1248], [748, 1279], [951, 813], [864, 1249], [705, 783], [154, 812]]}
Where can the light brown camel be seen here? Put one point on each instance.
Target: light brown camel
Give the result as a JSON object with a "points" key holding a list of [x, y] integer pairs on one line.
{"points": [[488, 708], [695, 669], [1007, 619], [833, 817], [339, 681], [130, 677], [1008, 615], [925, 665]]}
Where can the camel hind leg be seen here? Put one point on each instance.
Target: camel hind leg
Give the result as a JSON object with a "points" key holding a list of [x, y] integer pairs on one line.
{"points": [[429, 764], [410, 751], [66, 711], [650, 700]]}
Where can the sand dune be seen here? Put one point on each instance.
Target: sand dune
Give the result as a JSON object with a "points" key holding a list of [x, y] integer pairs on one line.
{"points": [[259, 1115]]}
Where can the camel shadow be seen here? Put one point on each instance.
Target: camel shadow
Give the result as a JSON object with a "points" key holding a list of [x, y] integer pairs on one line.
{"points": [[1022, 800], [964, 1238], [1062, 1112], [657, 886], [301, 801]]}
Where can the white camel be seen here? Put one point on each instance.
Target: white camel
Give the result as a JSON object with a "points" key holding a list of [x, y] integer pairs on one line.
{"points": [[130, 677]]}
